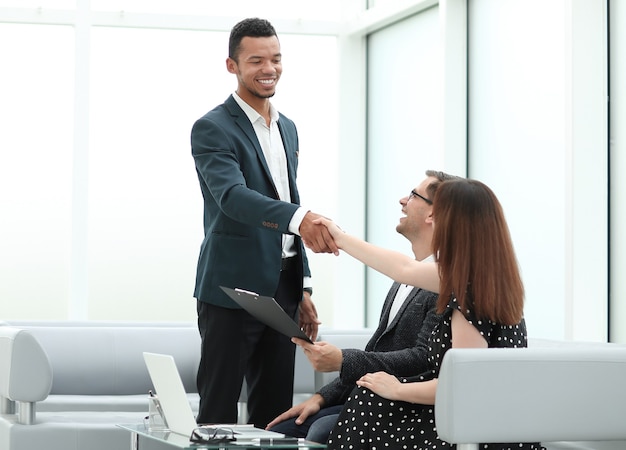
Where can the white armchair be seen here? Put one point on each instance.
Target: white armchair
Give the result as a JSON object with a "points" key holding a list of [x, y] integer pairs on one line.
{"points": [[574, 393]]}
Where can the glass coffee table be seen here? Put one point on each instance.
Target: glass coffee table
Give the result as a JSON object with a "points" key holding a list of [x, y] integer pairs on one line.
{"points": [[142, 439]]}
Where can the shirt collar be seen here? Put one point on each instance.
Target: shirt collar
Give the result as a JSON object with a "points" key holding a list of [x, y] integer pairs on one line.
{"points": [[253, 116], [430, 258]]}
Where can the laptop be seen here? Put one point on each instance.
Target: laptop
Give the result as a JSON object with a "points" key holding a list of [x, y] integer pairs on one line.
{"points": [[266, 310], [175, 407]]}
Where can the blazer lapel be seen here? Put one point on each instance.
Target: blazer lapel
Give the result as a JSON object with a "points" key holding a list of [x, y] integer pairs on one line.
{"points": [[242, 121], [384, 317], [291, 164], [403, 307]]}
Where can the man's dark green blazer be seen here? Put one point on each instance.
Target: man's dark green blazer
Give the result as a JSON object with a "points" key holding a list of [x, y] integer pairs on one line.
{"points": [[243, 218]]}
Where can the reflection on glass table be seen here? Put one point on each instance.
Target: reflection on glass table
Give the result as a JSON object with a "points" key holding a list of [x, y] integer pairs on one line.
{"points": [[209, 438]]}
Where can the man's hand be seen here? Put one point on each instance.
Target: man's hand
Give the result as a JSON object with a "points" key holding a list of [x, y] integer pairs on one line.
{"points": [[324, 357], [316, 236], [301, 411], [309, 323]]}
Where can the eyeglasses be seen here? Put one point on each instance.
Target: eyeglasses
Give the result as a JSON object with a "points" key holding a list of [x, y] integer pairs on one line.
{"points": [[212, 435], [415, 194]]}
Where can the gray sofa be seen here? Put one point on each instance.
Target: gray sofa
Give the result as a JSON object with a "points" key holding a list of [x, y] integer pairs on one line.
{"points": [[65, 385], [69, 384]]}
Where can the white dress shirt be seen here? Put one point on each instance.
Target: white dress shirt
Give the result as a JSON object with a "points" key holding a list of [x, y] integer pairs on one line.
{"points": [[402, 294], [274, 151]]}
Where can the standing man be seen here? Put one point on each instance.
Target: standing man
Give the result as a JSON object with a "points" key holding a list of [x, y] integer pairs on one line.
{"points": [[246, 157], [398, 345]]}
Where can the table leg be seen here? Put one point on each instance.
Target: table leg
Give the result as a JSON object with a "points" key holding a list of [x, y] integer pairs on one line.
{"points": [[134, 441]]}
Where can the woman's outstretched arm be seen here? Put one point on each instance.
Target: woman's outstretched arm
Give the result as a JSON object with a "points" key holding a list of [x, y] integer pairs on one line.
{"points": [[395, 265]]}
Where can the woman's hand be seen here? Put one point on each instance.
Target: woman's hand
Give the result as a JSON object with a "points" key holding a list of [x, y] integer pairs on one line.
{"points": [[381, 383]]}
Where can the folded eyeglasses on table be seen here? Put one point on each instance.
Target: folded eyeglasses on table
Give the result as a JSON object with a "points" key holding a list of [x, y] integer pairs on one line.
{"points": [[212, 435]]}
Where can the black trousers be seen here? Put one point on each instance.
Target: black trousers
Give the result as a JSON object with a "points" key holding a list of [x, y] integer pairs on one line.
{"points": [[236, 345]]}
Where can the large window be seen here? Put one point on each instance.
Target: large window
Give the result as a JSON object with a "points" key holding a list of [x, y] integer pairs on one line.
{"points": [[36, 152], [405, 94], [102, 212], [538, 136]]}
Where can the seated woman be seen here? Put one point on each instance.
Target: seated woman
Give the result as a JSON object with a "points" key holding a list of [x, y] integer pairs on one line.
{"points": [[481, 297]]}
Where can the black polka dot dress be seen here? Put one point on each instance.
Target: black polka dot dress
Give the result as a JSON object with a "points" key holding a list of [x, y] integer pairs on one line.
{"points": [[369, 421]]}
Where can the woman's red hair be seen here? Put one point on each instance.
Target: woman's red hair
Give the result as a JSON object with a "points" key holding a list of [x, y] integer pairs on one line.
{"points": [[473, 247]]}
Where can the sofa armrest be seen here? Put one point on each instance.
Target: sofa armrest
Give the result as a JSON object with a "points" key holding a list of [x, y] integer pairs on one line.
{"points": [[25, 372], [531, 395]]}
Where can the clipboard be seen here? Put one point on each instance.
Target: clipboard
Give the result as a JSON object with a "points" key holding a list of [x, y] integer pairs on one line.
{"points": [[266, 310]]}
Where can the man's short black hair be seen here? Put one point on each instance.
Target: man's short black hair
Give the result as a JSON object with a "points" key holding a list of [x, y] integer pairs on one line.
{"points": [[253, 27]]}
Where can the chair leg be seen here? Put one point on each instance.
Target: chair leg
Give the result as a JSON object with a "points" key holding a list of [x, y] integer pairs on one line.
{"points": [[7, 406], [466, 446], [26, 413]]}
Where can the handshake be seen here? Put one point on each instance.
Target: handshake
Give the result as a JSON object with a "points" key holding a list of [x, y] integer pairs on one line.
{"points": [[320, 234]]}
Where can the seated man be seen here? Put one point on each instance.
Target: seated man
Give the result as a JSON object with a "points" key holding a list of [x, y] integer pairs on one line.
{"points": [[398, 344]]}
